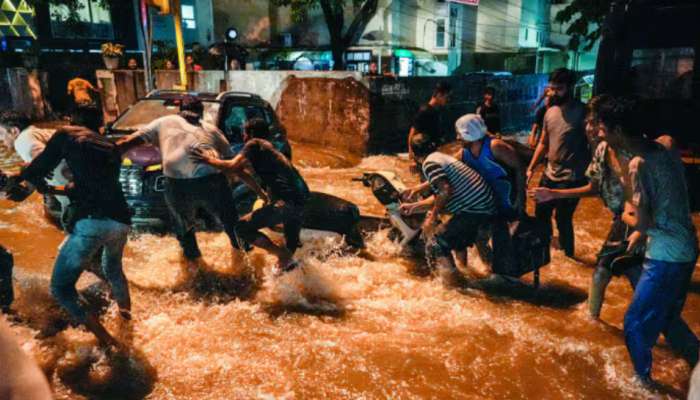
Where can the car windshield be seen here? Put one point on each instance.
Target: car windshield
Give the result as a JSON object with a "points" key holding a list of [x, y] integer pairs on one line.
{"points": [[145, 111], [236, 116]]}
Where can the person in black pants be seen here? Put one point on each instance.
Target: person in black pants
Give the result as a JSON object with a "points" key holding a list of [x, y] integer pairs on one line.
{"points": [[190, 186], [564, 141]]}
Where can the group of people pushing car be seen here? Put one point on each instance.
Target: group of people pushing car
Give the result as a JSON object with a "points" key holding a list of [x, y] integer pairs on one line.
{"points": [[600, 149], [482, 188], [195, 156]]}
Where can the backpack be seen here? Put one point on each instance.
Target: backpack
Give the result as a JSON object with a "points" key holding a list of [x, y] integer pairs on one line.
{"points": [[529, 246]]}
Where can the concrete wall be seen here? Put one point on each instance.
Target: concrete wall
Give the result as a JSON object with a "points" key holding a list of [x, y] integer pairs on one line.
{"points": [[328, 112], [270, 84]]}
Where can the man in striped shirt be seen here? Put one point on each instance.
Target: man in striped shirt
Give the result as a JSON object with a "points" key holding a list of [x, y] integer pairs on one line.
{"points": [[456, 190]]}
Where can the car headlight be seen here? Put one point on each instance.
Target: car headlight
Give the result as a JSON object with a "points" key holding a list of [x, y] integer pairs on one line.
{"points": [[131, 180]]}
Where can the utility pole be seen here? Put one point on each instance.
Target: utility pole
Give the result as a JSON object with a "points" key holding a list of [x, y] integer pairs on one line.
{"points": [[172, 7], [177, 21], [147, 40]]}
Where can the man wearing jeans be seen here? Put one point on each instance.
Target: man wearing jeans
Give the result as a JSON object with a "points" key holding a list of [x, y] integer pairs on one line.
{"points": [[100, 215], [564, 141], [659, 207], [189, 185]]}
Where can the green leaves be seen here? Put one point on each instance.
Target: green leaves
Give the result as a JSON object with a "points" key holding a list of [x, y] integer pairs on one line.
{"points": [[586, 18]]}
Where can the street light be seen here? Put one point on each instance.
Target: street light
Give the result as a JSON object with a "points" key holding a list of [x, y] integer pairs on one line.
{"points": [[230, 36]]}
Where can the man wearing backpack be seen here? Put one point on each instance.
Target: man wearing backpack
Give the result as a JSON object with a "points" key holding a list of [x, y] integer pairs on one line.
{"points": [[100, 218]]}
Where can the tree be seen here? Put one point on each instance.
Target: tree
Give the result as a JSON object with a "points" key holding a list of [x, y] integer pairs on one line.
{"points": [[334, 15], [587, 19], [74, 6], [608, 17]]}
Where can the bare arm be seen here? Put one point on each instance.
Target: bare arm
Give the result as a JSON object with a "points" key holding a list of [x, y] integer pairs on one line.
{"points": [[238, 166], [531, 138], [411, 132], [442, 196], [543, 194], [636, 213], [419, 206], [410, 192], [539, 153], [129, 142], [249, 180]]}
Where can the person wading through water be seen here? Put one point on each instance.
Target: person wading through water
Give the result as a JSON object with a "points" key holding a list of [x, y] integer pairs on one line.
{"points": [[189, 185]]}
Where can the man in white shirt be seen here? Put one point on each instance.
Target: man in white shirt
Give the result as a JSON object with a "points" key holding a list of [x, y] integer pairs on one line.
{"points": [[29, 141], [190, 185]]}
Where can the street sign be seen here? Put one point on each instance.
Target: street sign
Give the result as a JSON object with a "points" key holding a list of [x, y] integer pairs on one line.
{"points": [[467, 2]]}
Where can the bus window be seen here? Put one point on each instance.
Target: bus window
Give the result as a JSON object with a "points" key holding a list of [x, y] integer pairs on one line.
{"points": [[662, 73]]}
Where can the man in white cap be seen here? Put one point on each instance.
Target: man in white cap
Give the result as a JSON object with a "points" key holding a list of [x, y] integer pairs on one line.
{"points": [[498, 163]]}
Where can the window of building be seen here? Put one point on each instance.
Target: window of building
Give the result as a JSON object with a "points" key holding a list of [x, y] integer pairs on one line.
{"points": [[440, 33], [188, 20], [91, 20]]}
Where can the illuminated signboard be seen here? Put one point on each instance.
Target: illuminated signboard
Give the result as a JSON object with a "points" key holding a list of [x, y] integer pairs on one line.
{"points": [[16, 18]]}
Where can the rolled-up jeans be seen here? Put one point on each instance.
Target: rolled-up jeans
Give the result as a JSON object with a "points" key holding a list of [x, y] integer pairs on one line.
{"points": [[656, 307], [89, 236]]}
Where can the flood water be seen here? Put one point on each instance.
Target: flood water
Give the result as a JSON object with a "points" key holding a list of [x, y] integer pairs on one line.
{"points": [[346, 327]]}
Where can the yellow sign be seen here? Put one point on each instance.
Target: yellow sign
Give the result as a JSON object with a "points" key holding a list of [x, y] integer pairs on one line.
{"points": [[16, 18]]}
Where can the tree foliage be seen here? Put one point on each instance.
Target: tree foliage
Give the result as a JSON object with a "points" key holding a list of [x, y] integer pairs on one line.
{"points": [[586, 18], [73, 7], [334, 16]]}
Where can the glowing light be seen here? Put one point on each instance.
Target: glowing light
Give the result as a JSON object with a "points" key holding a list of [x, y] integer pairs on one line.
{"points": [[16, 19]]}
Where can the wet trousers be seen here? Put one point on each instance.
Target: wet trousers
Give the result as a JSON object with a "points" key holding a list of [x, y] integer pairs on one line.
{"points": [[656, 307], [184, 197], [563, 210], [615, 245], [89, 236]]}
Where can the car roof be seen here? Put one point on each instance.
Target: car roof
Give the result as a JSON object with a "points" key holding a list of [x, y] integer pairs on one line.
{"points": [[205, 96]]}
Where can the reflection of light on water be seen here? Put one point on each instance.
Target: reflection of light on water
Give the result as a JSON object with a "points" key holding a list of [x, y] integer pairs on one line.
{"points": [[346, 326]]}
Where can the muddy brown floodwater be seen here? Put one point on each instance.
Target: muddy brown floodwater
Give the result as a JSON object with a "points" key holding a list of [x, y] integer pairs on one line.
{"points": [[343, 328]]}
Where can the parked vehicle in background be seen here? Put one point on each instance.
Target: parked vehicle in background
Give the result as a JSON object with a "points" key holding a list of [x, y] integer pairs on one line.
{"points": [[659, 66]]}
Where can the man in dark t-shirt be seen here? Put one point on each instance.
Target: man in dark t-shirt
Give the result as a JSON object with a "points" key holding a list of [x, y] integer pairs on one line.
{"points": [[489, 111], [281, 187], [101, 218], [428, 119]]}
